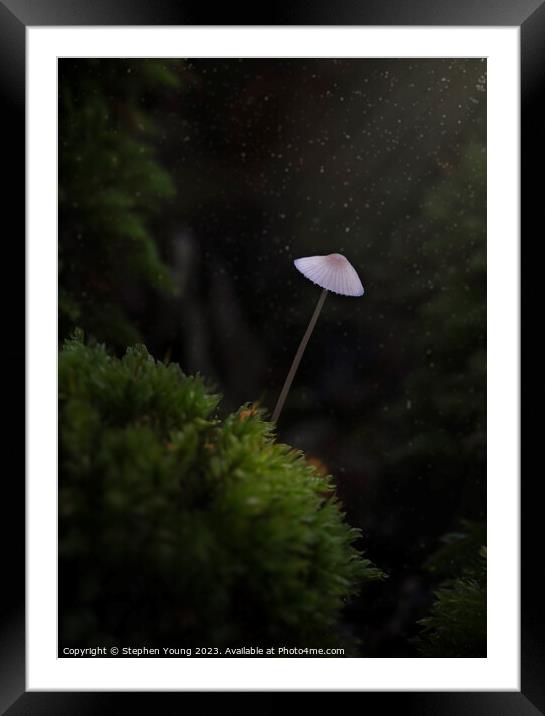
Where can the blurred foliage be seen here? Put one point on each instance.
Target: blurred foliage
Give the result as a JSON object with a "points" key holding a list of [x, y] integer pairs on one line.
{"points": [[438, 417], [459, 552], [456, 624], [110, 185], [452, 347], [178, 527]]}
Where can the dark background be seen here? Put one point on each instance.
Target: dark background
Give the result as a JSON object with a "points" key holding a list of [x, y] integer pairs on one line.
{"points": [[187, 189]]}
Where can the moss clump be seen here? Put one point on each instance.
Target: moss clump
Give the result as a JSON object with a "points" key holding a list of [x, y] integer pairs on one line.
{"points": [[179, 528], [456, 624]]}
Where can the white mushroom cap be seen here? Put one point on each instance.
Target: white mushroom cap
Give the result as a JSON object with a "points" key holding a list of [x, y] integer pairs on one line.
{"points": [[333, 272]]}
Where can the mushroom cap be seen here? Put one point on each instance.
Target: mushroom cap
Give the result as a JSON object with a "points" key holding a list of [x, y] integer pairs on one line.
{"points": [[334, 272]]}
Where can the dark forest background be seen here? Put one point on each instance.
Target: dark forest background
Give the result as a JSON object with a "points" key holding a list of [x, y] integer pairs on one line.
{"points": [[186, 190]]}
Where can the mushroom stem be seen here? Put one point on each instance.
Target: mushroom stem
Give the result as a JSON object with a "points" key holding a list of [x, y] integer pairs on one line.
{"points": [[285, 390]]}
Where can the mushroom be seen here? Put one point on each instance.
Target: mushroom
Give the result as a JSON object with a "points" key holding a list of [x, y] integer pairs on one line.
{"points": [[332, 273]]}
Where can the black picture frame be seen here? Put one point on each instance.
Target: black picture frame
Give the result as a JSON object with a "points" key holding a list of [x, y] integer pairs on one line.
{"points": [[15, 16]]}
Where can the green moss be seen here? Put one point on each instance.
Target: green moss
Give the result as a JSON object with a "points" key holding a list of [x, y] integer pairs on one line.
{"points": [[179, 528], [456, 624]]}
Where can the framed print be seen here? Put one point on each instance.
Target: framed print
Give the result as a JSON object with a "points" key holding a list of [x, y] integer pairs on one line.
{"points": [[272, 356]]}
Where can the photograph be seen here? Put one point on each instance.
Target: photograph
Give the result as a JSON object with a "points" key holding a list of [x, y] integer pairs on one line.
{"points": [[272, 343]]}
